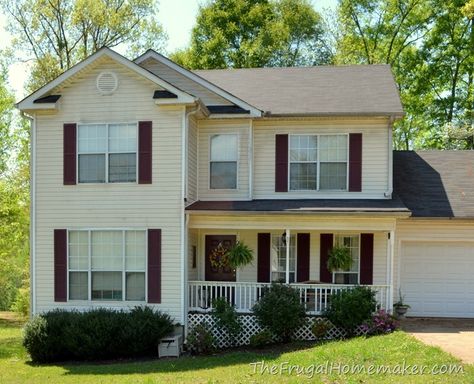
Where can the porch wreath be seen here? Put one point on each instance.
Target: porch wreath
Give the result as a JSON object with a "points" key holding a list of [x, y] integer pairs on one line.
{"points": [[219, 257]]}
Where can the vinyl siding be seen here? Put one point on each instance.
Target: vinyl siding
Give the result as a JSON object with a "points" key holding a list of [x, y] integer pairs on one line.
{"points": [[423, 230], [183, 83], [374, 155], [192, 161], [208, 128], [128, 205]]}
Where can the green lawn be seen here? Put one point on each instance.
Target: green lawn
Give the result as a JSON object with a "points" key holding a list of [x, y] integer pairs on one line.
{"points": [[391, 350]]}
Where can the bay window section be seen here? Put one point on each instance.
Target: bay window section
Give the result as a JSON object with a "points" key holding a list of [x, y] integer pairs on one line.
{"points": [[107, 265], [107, 153], [350, 276], [278, 258], [318, 162], [223, 161]]}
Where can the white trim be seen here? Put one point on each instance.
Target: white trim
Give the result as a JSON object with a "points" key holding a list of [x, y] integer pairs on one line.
{"points": [[33, 216], [28, 102], [250, 159], [199, 80], [183, 217]]}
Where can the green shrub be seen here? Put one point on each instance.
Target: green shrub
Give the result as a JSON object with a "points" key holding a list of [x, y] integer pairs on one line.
{"points": [[261, 339], [350, 308], [97, 334], [226, 318], [280, 311], [21, 305], [200, 339], [320, 328]]}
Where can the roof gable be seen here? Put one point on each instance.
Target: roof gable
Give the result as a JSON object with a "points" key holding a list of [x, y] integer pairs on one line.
{"points": [[29, 103]]}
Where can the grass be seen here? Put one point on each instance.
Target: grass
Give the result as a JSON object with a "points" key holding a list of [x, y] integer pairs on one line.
{"points": [[234, 367]]}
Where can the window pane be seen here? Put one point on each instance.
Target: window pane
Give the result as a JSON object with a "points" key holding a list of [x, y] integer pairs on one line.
{"points": [[224, 175], [78, 250], [92, 138], [135, 249], [122, 167], [122, 138], [224, 148], [135, 286], [303, 176], [333, 176], [78, 285], [106, 285], [346, 278], [303, 148], [333, 148], [92, 168], [107, 250]]}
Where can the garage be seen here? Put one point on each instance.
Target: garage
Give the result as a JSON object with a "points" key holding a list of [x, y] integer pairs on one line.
{"points": [[437, 278]]}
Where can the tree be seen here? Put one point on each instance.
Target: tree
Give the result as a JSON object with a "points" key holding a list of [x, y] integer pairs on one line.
{"points": [[255, 33], [6, 107], [59, 33]]}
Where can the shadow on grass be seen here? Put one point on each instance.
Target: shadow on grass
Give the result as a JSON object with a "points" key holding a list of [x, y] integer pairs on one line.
{"points": [[10, 320], [185, 363]]}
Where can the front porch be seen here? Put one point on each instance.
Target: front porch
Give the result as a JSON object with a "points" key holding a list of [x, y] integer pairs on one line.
{"points": [[291, 250]]}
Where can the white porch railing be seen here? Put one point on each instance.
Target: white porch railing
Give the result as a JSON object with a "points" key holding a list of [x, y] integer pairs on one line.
{"points": [[243, 296]]}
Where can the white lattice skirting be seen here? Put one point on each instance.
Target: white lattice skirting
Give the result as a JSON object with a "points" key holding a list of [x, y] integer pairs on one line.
{"points": [[250, 327]]}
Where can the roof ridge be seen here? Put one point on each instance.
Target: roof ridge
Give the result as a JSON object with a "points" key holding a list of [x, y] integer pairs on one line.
{"points": [[332, 66]]}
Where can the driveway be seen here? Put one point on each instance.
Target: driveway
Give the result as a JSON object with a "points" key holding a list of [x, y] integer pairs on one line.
{"points": [[455, 336]]}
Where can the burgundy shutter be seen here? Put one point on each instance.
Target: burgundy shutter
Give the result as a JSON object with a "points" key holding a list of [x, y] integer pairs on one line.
{"points": [[302, 261], [69, 154], [355, 162], [366, 258], [60, 265], [144, 152], [154, 265], [263, 266], [326, 243], [281, 163]]}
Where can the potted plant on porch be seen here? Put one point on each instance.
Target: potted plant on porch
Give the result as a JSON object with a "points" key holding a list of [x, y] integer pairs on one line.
{"points": [[400, 307], [339, 259], [239, 255]]}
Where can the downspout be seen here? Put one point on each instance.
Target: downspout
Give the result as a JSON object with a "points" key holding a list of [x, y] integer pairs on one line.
{"points": [[388, 193], [32, 213], [250, 159], [184, 216]]}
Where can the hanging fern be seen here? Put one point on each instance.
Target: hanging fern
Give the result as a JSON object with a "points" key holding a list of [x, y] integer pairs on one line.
{"points": [[340, 259], [239, 255]]}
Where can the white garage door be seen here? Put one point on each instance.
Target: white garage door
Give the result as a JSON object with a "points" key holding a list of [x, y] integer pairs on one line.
{"points": [[437, 278]]}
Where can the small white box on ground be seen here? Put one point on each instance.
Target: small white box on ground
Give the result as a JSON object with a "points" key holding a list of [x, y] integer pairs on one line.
{"points": [[170, 346]]}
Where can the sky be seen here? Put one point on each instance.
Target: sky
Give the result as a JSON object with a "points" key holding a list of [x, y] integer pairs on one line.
{"points": [[176, 16]]}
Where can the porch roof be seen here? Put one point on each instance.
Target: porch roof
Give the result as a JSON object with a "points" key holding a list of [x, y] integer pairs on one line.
{"points": [[386, 206]]}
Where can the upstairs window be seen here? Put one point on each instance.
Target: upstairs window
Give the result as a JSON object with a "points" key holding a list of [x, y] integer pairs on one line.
{"points": [[107, 153], [223, 161], [318, 162]]}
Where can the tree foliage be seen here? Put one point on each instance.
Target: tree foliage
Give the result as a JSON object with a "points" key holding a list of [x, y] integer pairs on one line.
{"points": [[255, 33], [59, 33]]}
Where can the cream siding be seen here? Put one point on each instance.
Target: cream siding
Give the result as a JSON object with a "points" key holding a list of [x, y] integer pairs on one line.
{"points": [[374, 155], [182, 82], [437, 230], [192, 187], [208, 128], [126, 205]]}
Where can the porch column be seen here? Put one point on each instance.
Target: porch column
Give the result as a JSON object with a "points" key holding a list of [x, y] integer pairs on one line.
{"points": [[392, 263], [287, 267]]}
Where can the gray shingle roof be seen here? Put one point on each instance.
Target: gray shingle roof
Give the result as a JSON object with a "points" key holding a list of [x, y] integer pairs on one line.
{"points": [[321, 90], [435, 183], [304, 205]]}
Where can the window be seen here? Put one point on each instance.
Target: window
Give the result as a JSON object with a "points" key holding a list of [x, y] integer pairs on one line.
{"points": [[318, 162], [350, 276], [107, 265], [107, 153], [278, 258], [223, 161]]}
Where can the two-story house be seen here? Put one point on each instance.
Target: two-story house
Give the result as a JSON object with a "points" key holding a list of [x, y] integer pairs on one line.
{"points": [[142, 169]]}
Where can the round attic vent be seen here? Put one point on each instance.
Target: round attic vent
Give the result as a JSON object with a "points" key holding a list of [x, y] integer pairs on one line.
{"points": [[107, 82]]}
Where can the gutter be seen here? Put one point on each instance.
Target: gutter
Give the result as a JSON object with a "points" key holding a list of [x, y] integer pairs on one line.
{"points": [[399, 213]]}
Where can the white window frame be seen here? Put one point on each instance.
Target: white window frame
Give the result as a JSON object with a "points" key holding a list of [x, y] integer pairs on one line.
{"points": [[335, 244], [106, 153], [274, 235], [318, 163], [123, 270], [237, 135]]}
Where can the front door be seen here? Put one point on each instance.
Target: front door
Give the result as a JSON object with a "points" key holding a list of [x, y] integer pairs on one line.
{"points": [[215, 247]]}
